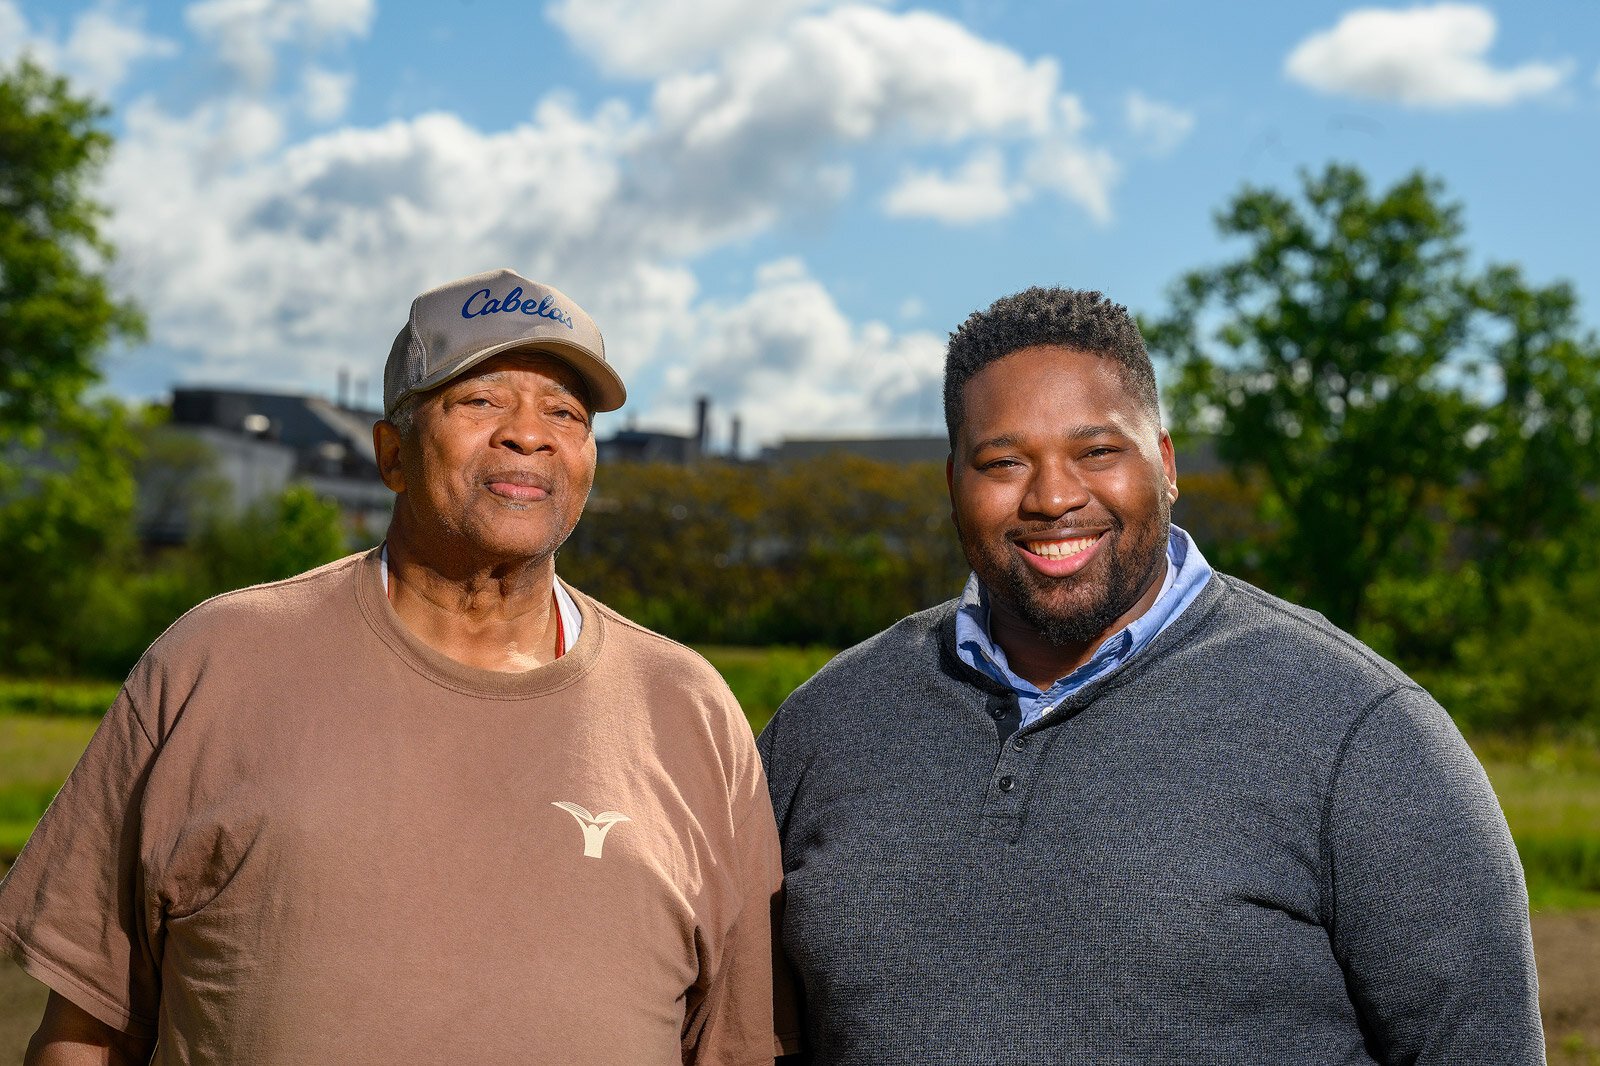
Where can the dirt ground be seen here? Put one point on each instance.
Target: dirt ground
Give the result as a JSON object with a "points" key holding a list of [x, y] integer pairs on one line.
{"points": [[1566, 945]]}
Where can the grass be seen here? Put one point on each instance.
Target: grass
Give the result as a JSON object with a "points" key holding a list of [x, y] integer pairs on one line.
{"points": [[763, 677], [1548, 787], [1550, 791], [82, 699], [39, 752]]}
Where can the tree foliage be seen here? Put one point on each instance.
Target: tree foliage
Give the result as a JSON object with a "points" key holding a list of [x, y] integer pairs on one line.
{"points": [[1354, 363], [56, 311], [75, 593], [66, 483], [123, 611], [66, 520], [821, 553]]}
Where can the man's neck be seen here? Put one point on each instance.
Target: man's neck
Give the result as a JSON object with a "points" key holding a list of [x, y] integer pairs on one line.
{"points": [[1033, 658], [499, 616]]}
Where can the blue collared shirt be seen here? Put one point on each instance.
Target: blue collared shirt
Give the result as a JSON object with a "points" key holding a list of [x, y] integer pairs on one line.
{"points": [[1187, 573]]}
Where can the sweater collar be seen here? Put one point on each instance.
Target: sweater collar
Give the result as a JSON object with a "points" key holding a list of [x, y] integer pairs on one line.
{"points": [[1174, 635]]}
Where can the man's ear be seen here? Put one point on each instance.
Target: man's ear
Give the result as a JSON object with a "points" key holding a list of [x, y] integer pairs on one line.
{"points": [[386, 450], [950, 483], [1169, 467]]}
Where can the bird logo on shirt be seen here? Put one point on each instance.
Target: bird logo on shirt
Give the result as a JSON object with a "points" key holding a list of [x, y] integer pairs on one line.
{"points": [[595, 826]]}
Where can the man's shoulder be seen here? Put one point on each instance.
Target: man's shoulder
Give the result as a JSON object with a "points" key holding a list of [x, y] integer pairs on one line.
{"points": [[1268, 631], [249, 614]]}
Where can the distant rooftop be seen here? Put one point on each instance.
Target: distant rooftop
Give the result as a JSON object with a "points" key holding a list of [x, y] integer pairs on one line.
{"points": [[881, 449]]}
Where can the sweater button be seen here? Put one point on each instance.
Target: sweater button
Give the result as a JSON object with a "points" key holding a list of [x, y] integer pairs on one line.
{"points": [[1007, 783], [1019, 743]]}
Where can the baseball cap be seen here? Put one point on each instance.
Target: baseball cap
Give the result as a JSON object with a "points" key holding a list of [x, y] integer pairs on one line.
{"points": [[459, 324]]}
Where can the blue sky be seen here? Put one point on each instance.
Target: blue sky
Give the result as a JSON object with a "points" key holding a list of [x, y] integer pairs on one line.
{"points": [[785, 205]]}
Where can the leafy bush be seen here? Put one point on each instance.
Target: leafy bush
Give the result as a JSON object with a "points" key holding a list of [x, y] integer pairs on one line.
{"points": [[110, 609], [74, 699], [1537, 665], [762, 678], [828, 552]]}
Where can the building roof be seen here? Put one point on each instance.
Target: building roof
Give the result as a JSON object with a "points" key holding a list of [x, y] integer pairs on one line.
{"points": [[882, 449]]}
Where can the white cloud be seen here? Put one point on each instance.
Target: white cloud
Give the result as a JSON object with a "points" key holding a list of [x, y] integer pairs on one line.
{"points": [[787, 359], [238, 250], [649, 38], [247, 34], [326, 93], [1078, 173], [277, 262], [13, 29], [1162, 127], [727, 146], [1423, 57], [859, 73], [99, 49], [976, 192], [102, 47], [279, 270]]}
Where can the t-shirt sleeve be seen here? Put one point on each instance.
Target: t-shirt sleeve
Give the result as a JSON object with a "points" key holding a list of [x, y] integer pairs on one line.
{"points": [[733, 1022], [72, 908], [1426, 905]]}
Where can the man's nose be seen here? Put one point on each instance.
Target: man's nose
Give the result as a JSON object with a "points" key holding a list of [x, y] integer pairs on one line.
{"points": [[1054, 490], [523, 430]]}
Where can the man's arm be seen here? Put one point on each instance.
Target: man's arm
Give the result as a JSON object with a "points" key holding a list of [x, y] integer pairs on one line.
{"points": [[1424, 899], [71, 1036]]}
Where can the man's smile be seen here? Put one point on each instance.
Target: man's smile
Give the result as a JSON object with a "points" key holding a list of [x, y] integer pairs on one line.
{"points": [[1059, 554]]}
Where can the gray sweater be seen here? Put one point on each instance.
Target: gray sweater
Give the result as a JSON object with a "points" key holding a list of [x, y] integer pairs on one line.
{"points": [[1257, 842]]}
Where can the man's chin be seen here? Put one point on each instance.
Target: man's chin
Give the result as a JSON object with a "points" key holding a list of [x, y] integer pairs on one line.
{"points": [[498, 545], [1069, 628]]}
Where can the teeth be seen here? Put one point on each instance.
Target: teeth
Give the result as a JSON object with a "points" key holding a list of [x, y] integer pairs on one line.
{"points": [[1060, 549]]}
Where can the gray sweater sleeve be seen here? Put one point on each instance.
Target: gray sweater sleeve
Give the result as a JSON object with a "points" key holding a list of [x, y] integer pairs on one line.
{"points": [[1424, 896]]}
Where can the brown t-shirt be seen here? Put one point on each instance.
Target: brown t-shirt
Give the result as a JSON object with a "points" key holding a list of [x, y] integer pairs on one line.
{"points": [[303, 836]]}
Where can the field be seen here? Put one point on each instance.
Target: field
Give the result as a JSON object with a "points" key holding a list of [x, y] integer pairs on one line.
{"points": [[1550, 790]]}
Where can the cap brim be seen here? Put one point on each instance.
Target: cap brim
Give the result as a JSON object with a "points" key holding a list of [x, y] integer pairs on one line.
{"points": [[606, 391]]}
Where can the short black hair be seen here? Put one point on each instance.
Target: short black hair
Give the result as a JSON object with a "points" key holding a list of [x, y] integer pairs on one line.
{"points": [[1078, 319]]}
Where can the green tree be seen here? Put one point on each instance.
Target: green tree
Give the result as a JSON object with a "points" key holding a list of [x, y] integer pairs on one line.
{"points": [[56, 311], [1533, 456], [278, 538], [66, 484], [66, 520], [122, 612], [1353, 364]]}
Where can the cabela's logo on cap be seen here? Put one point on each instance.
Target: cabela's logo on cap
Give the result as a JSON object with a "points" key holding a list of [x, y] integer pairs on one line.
{"points": [[512, 303]]}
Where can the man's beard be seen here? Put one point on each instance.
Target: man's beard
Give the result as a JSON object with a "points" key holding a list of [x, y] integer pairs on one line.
{"points": [[1128, 571]]}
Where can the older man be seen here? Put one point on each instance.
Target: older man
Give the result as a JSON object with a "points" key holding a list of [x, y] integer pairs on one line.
{"points": [[1112, 806], [424, 804]]}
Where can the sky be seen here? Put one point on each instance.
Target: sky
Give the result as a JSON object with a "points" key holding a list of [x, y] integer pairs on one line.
{"points": [[782, 205]]}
